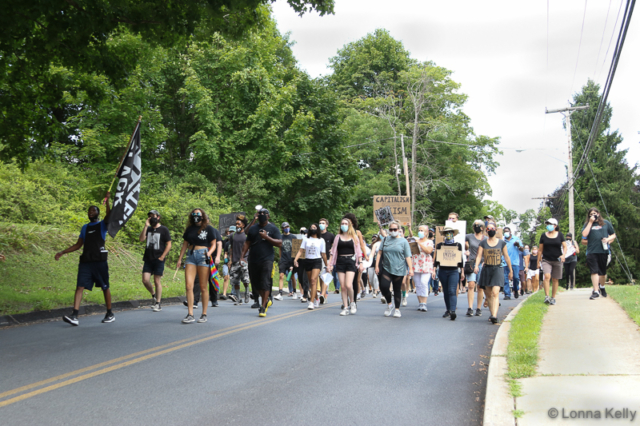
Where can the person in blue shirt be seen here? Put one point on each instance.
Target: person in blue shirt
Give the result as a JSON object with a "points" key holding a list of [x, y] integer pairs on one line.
{"points": [[93, 267], [513, 248]]}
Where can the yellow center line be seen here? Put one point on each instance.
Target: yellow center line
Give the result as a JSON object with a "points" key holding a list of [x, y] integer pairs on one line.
{"points": [[160, 351]]}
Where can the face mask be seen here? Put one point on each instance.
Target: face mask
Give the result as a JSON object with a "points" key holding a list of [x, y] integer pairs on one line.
{"points": [[507, 234], [568, 239], [526, 252], [477, 229], [153, 221], [393, 233], [535, 252], [262, 218], [197, 218], [448, 236], [286, 230], [595, 216], [313, 231], [421, 235], [550, 228], [344, 228], [491, 233], [430, 234], [322, 227]]}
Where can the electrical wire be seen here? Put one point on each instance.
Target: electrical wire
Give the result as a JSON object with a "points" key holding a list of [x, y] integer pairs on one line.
{"points": [[595, 71]]}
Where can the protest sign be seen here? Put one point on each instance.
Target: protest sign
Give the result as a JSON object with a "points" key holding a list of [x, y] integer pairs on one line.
{"points": [[399, 207]]}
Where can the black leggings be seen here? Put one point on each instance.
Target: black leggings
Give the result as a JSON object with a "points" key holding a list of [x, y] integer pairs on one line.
{"points": [[569, 268], [386, 279]]}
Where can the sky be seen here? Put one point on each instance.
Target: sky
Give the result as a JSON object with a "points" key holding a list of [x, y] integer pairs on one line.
{"points": [[500, 53]]}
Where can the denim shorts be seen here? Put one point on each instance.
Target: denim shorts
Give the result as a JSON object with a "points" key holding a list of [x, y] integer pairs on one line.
{"points": [[225, 270], [197, 257]]}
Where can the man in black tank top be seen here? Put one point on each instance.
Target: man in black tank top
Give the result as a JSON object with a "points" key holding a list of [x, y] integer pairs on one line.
{"points": [[93, 267]]}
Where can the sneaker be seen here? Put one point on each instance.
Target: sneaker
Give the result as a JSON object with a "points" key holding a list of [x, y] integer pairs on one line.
{"points": [[507, 298], [594, 295], [222, 297], [262, 312], [294, 296], [189, 319], [364, 294], [109, 317], [404, 301], [552, 301], [322, 300], [303, 299], [214, 304], [278, 297], [336, 292], [375, 295], [547, 300], [453, 315], [156, 307], [203, 318], [388, 311], [71, 319], [153, 297], [233, 298], [397, 313], [516, 295], [447, 314], [255, 305], [354, 308], [603, 292], [344, 312], [316, 303], [358, 296], [195, 305], [493, 320], [469, 312], [478, 312], [310, 306], [383, 300]]}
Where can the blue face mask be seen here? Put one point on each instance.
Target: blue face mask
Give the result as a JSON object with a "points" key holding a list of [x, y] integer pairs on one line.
{"points": [[551, 228], [321, 227], [507, 234], [286, 230], [448, 237], [344, 228], [421, 235]]}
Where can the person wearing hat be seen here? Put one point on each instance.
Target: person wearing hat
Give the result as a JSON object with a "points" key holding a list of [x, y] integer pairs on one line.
{"points": [[552, 245], [285, 263], [449, 275], [513, 248], [158, 245]]}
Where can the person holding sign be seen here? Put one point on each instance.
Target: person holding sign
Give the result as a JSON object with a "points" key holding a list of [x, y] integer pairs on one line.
{"points": [[450, 262], [315, 252], [345, 258], [491, 251], [391, 266], [423, 266]]}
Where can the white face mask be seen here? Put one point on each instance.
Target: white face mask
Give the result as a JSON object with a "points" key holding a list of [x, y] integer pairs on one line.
{"points": [[393, 233]]}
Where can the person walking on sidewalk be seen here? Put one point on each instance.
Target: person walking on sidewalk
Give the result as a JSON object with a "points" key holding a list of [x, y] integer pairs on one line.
{"points": [[491, 251], [597, 234], [391, 266], [158, 245], [472, 242], [450, 275], [513, 248], [571, 261], [552, 246], [423, 267], [93, 267], [533, 271], [315, 252], [345, 259]]}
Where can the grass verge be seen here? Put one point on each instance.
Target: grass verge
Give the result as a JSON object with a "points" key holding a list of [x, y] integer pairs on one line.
{"points": [[627, 296], [522, 352]]}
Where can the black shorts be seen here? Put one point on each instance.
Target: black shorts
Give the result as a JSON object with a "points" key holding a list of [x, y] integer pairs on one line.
{"points": [[285, 265], [90, 273], [310, 264], [597, 263], [260, 275], [154, 267], [345, 264]]}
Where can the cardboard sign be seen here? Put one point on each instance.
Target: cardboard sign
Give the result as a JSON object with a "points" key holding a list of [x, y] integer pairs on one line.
{"points": [[227, 220], [414, 248], [384, 216], [461, 226], [295, 248], [439, 236], [399, 206], [449, 256]]}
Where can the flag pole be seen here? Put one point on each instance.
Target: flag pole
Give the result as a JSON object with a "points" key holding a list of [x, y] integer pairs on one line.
{"points": [[123, 156]]}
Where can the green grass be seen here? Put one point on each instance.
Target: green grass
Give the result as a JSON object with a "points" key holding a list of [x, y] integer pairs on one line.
{"points": [[628, 296], [522, 352]]}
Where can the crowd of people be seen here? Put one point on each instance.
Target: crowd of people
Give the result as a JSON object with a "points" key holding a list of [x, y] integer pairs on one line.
{"points": [[393, 264]]}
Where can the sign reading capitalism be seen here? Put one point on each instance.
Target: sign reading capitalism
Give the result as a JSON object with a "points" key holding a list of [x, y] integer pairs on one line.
{"points": [[399, 205]]}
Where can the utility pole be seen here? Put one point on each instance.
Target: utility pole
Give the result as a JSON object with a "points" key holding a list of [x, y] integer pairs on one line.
{"points": [[406, 174], [566, 112]]}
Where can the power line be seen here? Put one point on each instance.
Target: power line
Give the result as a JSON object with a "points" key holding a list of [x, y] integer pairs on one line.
{"points": [[604, 60], [595, 71]]}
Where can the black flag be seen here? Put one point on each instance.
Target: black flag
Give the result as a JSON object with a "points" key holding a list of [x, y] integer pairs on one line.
{"points": [[128, 187]]}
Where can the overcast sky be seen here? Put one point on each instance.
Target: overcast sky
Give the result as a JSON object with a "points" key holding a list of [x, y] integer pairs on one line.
{"points": [[497, 50]]}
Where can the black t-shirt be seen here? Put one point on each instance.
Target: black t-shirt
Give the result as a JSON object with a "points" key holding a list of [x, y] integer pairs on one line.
{"points": [[328, 238], [287, 246], [195, 237], [236, 246], [261, 250], [226, 243], [552, 249], [492, 256], [157, 239]]}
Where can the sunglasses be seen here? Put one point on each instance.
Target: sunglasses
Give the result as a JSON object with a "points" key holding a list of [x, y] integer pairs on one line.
{"points": [[196, 214], [393, 229]]}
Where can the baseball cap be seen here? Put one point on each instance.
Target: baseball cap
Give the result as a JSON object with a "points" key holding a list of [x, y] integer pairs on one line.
{"points": [[263, 211], [489, 217], [284, 224], [551, 221], [153, 212], [303, 229], [506, 228]]}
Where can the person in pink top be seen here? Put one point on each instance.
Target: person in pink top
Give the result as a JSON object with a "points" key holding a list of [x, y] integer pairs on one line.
{"points": [[345, 257], [423, 267]]}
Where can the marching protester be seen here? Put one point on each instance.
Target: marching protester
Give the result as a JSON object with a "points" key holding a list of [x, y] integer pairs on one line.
{"points": [[571, 260], [262, 239], [597, 234], [513, 246], [93, 268], [344, 259], [525, 260], [373, 277], [226, 244], [491, 251], [328, 238], [392, 264], [301, 272], [315, 252], [552, 246], [201, 242], [239, 269], [435, 282], [285, 264], [405, 281], [472, 242], [158, 245], [533, 271], [423, 266], [449, 275], [354, 222], [453, 217]]}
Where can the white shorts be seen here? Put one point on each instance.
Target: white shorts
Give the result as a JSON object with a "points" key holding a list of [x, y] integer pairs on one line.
{"points": [[533, 273]]}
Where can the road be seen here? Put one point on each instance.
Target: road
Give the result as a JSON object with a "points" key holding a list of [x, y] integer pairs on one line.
{"points": [[295, 367]]}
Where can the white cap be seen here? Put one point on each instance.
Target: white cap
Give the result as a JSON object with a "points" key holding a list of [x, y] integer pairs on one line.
{"points": [[551, 221]]}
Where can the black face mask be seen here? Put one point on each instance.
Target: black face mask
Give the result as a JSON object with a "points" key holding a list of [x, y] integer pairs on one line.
{"points": [[262, 218], [313, 232], [197, 219], [153, 221], [491, 233], [477, 229], [430, 235]]}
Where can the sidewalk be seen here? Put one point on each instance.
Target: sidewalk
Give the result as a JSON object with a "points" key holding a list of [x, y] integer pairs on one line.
{"points": [[589, 365]]}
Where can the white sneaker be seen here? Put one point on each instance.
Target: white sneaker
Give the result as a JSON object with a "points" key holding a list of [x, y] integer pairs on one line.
{"points": [[358, 297], [156, 307], [310, 306], [383, 300], [367, 291], [316, 303], [344, 312], [404, 301], [388, 311], [354, 308], [295, 296], [397, 314], [375, 295], [278, 296]]}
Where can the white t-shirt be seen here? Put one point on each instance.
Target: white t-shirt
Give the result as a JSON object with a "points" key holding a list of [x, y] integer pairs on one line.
{"points": [[313, 248]]}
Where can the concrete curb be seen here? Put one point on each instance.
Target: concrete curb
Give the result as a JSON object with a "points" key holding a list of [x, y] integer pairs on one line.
{"points": [[498, 402], [56, 314]]}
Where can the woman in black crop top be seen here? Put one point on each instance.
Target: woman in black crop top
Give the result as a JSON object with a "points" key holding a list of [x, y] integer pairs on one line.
{"points": [[533, 272], [346, 248]]}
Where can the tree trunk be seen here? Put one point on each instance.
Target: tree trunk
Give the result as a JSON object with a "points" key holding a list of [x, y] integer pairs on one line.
{"points": [[414, 149], [395, 154]]}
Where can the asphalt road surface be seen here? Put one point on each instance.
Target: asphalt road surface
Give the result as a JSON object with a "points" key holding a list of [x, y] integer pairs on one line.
{"points": [[294, 367]]}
